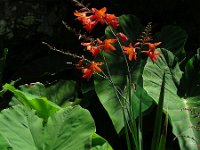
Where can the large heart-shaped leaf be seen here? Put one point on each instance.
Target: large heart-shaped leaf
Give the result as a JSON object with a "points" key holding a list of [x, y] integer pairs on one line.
{"points": [[70, 128], [180, 110]]}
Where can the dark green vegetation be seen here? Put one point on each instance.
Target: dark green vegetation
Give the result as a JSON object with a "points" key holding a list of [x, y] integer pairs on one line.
{"points": [[66, 108]]}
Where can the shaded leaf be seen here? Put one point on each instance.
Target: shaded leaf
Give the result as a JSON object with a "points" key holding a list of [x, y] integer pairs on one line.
{"points": [[2, 62], [58, 93], [190, 83], [173, 38]]}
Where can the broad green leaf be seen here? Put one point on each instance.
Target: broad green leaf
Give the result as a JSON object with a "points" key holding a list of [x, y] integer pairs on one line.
{"points": [[69, 128], [180, 110], [106, 93], [141, 95], [59, 93], [42, 105], [173, 38], [74, 128], [21, 127], [4, 144], [99, 143]]}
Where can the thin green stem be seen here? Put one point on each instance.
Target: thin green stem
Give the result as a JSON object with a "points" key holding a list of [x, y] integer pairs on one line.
{"points": [[111, 81], [131, 113], [128, 143], [140, 126]]}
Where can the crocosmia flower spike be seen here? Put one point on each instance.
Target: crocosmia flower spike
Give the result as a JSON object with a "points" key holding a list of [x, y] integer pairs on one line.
{"points": [[90, 18]]}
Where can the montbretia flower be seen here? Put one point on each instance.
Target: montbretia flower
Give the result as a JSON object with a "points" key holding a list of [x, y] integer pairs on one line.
{"points": [[92, 48], [152, 55], [152, 46], [90, 18], [122, 36], [112, 19], [106, 45], [130, 51], [99, 15], [151, 51], [91, 69]]}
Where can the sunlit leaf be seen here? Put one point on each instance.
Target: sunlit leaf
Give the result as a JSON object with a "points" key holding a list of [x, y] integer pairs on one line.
{"points": [[70, 128], [181, 111]]}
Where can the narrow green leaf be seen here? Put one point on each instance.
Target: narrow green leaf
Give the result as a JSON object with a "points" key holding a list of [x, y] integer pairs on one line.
{"points": [[163, 137], [140, 140], [128, 142], [158, 119]]}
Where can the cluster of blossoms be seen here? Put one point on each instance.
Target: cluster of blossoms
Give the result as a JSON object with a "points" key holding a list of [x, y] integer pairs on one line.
{"points": [[89, 18]]}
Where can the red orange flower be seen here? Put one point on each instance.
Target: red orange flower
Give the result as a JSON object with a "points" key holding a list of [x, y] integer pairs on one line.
{"points": [[122, 36], [130, 51], [92, 67], [99, 15], [112, 19], [152, 46], [106, 45], [152, 55], [90, 47], [151, 51], [90, 18]]}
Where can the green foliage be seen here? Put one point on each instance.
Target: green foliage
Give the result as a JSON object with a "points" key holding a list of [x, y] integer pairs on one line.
{"points": [[4, 143], [190, 83], [2, 62], [158, 121], [59, 93], [181, 111], [104, 89], [131, 27], [42, 105], [69, 128], [173, 38], [99, 143]]}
